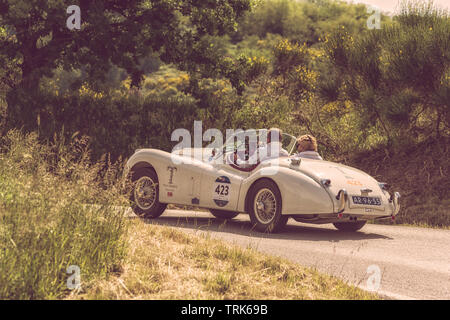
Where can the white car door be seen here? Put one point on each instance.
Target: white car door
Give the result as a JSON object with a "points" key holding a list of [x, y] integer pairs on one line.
{"points": [[220, 187]]}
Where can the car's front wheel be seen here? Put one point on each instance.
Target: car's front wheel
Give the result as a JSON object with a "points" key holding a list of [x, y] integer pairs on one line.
{"points": [[265, 207], [223, 214], [145, 194], [349, 226]]}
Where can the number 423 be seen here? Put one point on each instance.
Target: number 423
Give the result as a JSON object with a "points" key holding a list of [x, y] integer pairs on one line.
{"points": [[222, 190]]}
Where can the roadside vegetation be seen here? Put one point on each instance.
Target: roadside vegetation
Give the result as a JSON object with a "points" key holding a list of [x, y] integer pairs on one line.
{"points": [[165, 263], [56, 210]]}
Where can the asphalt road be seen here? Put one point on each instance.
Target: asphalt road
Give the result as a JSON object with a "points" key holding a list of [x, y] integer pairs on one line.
{"points": [[397, 262]]}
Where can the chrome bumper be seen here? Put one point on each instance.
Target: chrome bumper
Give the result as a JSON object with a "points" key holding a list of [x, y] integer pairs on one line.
{"points": [[342, 197]]}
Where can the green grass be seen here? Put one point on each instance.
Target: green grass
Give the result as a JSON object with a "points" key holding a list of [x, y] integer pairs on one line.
{"points": [[46, 222]]}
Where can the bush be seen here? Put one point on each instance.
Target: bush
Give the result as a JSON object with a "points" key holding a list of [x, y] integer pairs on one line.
{"points": [[117, 122], [302, 21]]}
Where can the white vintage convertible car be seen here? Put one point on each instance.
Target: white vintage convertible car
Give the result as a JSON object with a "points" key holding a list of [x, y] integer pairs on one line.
{"points": [[271, 191]]}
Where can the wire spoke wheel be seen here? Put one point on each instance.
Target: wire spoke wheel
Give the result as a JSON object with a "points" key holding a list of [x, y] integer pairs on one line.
{"points": [[145, 193], [265, 206], [144, 199]]}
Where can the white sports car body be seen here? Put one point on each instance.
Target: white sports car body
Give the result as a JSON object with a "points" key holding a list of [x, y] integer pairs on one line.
{"points": [[270, 191]]}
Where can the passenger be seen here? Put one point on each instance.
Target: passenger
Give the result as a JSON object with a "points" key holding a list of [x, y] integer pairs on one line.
{"points": [[307, 147]]}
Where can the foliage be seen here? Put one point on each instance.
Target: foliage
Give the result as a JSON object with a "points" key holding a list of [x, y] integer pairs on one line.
{"points": [[56, 210], [329, 82], [257, 114], [302, 21], [120, 33], [397, 77], [118, 122], [124, 32]]}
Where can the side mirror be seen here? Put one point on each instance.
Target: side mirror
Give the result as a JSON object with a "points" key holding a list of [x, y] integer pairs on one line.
{"points": [[296, 161]]}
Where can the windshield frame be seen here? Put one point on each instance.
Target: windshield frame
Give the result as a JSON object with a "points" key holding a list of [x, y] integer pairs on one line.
{"points": [[231, 144]]}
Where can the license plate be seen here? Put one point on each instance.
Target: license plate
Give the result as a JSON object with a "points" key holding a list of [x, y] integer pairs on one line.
{"points": [[371, 201]]}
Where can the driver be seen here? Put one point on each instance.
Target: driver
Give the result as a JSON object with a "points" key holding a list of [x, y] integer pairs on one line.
{"points": [[273, 148]]}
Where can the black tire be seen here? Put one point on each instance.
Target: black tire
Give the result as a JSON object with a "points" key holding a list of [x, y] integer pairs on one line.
{"points": [[274, 221], [350, 226], [153, 210], [223, 214]]}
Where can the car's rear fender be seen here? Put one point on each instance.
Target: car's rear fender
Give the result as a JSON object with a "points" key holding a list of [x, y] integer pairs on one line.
{"points": [[300, 194]]}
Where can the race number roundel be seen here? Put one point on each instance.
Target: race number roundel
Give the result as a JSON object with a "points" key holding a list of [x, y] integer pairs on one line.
{"points": [[221, 191]]}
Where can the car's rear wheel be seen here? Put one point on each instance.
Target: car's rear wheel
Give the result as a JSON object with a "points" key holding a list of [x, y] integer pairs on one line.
{"points": [[265, 207], [145, 194], [223, 214], [350, 226]]}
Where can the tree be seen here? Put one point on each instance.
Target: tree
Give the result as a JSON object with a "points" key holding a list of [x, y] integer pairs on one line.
{"points": [[398, 77], [113, 32]]}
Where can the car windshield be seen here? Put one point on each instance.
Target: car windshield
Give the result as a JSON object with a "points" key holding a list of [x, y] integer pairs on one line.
{"points": [[289, 142]]}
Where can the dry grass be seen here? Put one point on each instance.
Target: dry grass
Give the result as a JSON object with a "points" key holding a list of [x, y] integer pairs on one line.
{"points": [[164, 263]]}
